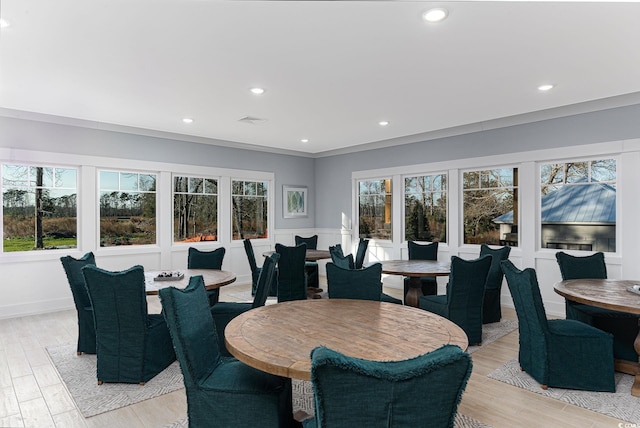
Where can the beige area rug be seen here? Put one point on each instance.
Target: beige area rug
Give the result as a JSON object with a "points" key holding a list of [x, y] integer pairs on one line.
{"points": [[620, 404], [303, 400], [79, 375]]}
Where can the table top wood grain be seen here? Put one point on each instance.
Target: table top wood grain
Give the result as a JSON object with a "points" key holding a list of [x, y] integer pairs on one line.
{"points": [[310, 256], [603, 293], [416, 267], [278, 339], [213, 278]]}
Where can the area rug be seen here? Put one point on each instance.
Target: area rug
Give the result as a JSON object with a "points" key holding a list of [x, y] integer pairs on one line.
{"points": [[620, 404], [79, 375], [302, 395], [494, 331]]}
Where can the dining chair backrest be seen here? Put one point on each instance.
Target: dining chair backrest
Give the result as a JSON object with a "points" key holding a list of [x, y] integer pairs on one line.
{"points": [[361, 253], [363, 284], [265, 280], [491, 308], [86, 327], [198, 259], [312, 241], [466, 282], [422, 251], [291, 272], [251, 257], [465, 294], [73, 270], [131, 345], [192, 329], [336, 249], [573, 267], [532, 317], [339, 259], [119, 301], [351, 392], [495, 276]]}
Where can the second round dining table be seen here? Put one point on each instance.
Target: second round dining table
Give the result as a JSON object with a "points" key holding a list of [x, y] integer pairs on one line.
{"points": [[213, 278], [415, 269]]}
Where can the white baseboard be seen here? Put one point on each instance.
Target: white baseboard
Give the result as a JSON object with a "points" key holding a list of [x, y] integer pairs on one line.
{"points": [[35, 308]]}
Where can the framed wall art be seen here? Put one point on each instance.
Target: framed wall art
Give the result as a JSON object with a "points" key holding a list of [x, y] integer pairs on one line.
{"points": [[294, 201]]}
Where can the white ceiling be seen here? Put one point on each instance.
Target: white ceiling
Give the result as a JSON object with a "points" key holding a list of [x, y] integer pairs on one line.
{"points": [[331, 69]]}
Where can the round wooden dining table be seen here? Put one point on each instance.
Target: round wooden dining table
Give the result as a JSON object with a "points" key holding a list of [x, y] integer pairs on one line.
{"points": [[414, 269], [609, 294], [278, 339], [213, 278]]}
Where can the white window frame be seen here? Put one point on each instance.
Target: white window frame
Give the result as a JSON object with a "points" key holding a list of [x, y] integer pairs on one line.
{"points": [[403, 208], [461, 190], [218, 207], [538, 166]]}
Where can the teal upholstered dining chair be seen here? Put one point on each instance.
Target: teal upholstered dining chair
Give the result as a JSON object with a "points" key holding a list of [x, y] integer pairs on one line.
{"points": [[623, 326], [86, 327], [351, 392], [361, 252], [363, 284], [198, 259], [224, 312], [132, 346], [221, 391], [339, 259], [465, 293], [491, 310], [292, 280], [557, 353], [255, 270], [428, 251], [310, 267]]}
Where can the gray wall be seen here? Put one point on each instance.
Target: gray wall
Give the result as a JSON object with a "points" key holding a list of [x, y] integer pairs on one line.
{"points": [[49, 137], [328, 178], [333, 173]]}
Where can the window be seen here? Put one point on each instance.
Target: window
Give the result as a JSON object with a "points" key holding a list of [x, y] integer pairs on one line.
{"points": [[250, 209], [374, 209], [127, 208], [578, 205], [195, 209], [490, 206], [39, 207], [425, 208]]}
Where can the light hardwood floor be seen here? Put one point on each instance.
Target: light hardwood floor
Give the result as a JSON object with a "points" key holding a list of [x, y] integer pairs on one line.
{"points": [[32, 395]]}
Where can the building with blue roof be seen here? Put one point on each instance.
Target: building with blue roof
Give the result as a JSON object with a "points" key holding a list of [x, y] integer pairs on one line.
{"points": [[576, 216]]}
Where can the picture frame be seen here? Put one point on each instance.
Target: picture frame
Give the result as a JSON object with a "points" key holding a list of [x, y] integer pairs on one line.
{"points": [[294, 201]]}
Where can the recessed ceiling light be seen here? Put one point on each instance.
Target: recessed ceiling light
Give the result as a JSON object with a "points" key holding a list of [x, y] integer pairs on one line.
{"points": [[546, 87], [383, 123], [187, 120], [437, 14], [4, 23], [257, 91], [304, 140]]}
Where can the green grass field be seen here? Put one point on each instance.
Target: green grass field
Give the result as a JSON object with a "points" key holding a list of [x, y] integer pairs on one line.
{"points": [[28, 244]]}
